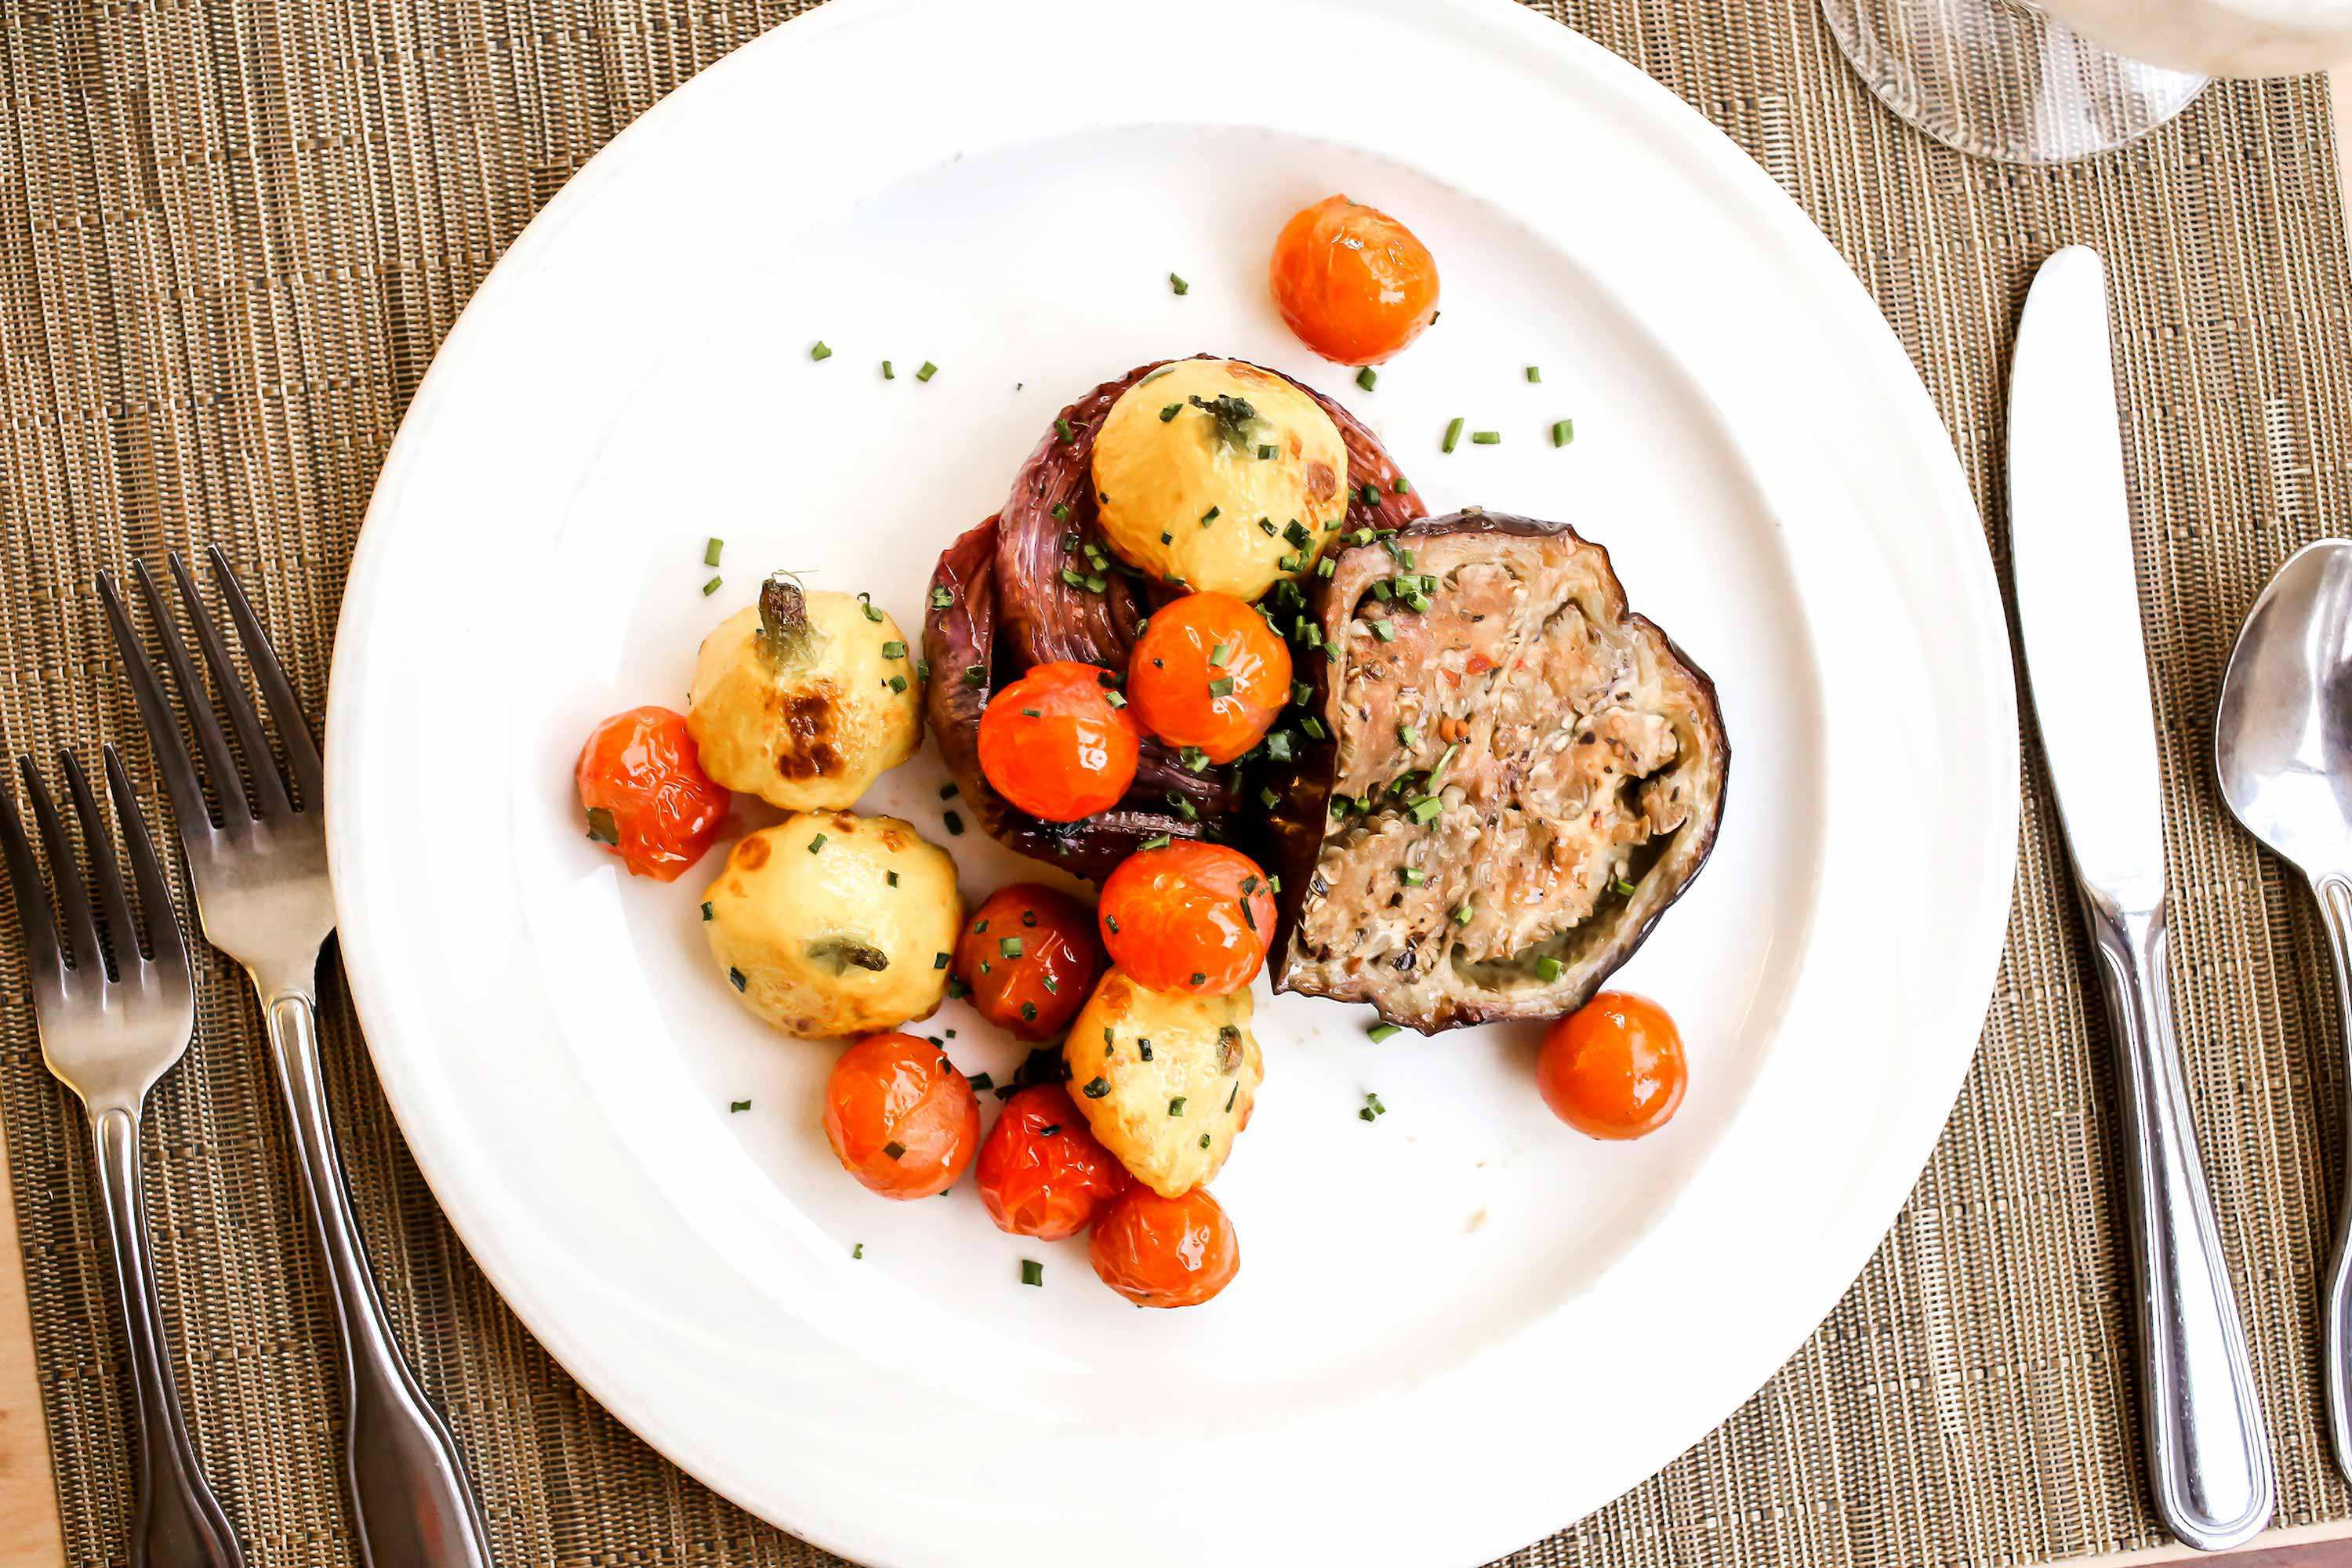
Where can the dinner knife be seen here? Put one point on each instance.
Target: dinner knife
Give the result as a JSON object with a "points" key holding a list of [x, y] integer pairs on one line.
{"points": [[2078, 611]]}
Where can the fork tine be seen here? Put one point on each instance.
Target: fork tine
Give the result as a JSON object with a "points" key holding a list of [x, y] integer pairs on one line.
{"points": [[120, 928], [293, 730], [234, 810], [73, 901], [167, 949], [155, 713], [268, 788], [32, 904]]}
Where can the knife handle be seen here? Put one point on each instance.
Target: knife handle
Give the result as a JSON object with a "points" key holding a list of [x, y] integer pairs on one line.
{"points": [[2209, 1451]]}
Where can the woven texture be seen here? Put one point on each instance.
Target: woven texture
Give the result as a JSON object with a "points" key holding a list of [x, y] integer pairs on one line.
{"points": [[231, 233]]}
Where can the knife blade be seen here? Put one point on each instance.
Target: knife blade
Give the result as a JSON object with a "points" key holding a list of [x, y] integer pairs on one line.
{"points": [[2077, 588], [2210, 1463]]}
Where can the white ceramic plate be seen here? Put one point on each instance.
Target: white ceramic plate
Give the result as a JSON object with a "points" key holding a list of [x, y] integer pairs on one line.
{"points": [[1427, 1357]]}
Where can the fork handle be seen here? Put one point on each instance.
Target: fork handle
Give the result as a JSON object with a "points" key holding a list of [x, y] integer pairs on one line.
{"points": [[2209, 1452], [412, 1506], [177, 1523]]}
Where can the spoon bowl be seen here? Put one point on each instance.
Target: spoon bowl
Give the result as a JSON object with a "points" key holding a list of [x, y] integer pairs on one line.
{"points": [[2282, 753]]}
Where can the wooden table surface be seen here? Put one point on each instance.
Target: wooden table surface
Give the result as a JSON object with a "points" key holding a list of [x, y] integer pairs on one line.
{"points": [[30, 1536]]}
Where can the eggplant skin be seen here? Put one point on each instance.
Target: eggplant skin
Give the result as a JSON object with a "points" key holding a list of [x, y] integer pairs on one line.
{"points": [[1577, 751], [1006, 608]]}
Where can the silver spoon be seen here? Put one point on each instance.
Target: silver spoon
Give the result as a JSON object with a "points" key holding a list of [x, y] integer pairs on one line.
{"points": [[2283, 749]]}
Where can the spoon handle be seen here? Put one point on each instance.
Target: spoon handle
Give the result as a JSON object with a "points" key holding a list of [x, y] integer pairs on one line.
{"points": [[2209, 1454], [2335, 895]]}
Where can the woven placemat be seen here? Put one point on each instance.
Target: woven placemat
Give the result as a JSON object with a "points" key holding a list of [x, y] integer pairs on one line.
{"points": [[231, 233]]}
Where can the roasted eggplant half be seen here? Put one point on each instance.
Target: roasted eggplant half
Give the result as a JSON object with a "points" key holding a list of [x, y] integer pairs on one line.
{"points": [[1040, 581], [1515, 777]]}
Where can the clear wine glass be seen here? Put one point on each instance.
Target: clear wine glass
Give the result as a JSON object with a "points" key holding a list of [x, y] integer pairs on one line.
{"points": [[2004, 79]]}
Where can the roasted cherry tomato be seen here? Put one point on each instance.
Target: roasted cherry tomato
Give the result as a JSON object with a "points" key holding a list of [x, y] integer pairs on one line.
{"points": [[1209, 673], [1188, 917], [1165, 1252], [1030, 956], [1054, 744], [1040, 1172], [1353, 283], [647, 797], [900, 1117], [1613, 1068]]}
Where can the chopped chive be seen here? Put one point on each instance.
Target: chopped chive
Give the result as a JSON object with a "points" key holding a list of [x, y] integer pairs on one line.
{"points": [[1266, 796], [1208, 517], [1220, 652], [865, 603], [1264, 451], [1402, 485], [1096, 1086], [1176, 1106], [894, 649], [1033, 1272], [894, 1150], [981, 1083], [1383, 591], [1452, 434], [1178, 284], [955, 823], [1623, 888], [928, 371], [1199, 978], [1277, 746], [706, 908], [1157, 841], [1462, 914], [1486, 437], [1062, 429], [858, 1251], [1535, 372], [1384, 631], [1425, 809], [1236, 1094], [1222, 687], [939, 961], [887, 373], [710, 550], [1365, 376], [1143, 1046], [1205, 1140], [1171, 412], [1548, 968], [1009, 946], [1193, 758], [1312, 727], [818, 350], [897, 683], [942, 599], [734, 1106], [1325, 567], [1115, 698], [1060, 511], [1563, 432], [735, 977], [710, 587], [1408, 737], [817, 844], [1380, 1032], [1411, 876]]}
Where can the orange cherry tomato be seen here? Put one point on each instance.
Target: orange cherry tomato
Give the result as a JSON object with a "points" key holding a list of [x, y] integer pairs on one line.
{"points": [[1614, 1068], [1042, 1173], [1030, 956], [1054, 745], [900, 1117], [1208, 672], [1188, 917], [1165, 1252], [1353, 283], [646, 794]]}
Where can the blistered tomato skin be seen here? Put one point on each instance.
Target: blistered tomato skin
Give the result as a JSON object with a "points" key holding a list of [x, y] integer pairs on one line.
{"points": [[1165, 1252], [1614, 1068], [900, 1117], [1353, 283], [1053, 744], [1188, 917], [1030, 956], [645, 795], [1042, 1173], [1209, 673]]}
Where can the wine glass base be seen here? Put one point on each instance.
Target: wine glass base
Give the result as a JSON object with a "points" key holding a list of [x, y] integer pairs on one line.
{"points": [[1999, 79]]}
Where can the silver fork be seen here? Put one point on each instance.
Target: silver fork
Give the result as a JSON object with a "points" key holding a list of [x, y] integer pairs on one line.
{"points": [[260, 880], [109, 1038]]}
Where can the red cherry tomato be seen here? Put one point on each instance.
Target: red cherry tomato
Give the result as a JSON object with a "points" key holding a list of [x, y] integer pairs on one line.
{"points": [[1053, 744], [900, 1117], [1614, 1068], [1030, 956], [647, 797], [1353, 283], [1042, 1173], [1165, 1252], [1209, 672], [1188, 917]]}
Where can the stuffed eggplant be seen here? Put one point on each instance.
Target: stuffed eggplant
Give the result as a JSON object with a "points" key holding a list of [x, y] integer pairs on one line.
{"points": [[1070, 570], [1516, 777]]}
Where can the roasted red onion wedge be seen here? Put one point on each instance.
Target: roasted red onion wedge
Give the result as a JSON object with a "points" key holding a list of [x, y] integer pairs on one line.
{"points": [[1003, 599], [1517, 777]]}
